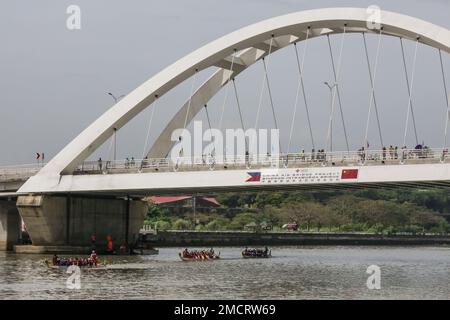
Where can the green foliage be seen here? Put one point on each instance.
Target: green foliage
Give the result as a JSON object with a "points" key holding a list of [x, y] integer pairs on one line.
{"points": [[156, 213], [163, 225], [241, 219], [181, 224], [374, 210], [217, 224], [265, 198]]}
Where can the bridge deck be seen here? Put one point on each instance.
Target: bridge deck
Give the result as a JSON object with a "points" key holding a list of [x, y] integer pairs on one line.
{"points": [[375, 169], [299, 160]]}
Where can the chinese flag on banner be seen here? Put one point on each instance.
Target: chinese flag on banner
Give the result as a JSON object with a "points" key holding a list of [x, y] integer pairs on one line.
{"points": [[349, 174]]}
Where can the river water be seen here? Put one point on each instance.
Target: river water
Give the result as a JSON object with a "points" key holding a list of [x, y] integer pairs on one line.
{"points": [[292, 273]]}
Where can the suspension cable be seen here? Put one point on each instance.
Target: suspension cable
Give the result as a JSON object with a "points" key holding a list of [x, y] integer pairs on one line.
{"points": [[446, 99], [302, 86], [190, 98], [210, 130], [409, 90], [372, 94], [240, 112], [263, 85], [189, 106], [207, 116], [443, 77], [270, 94], [110, 153], [149, 126], [336, 79], [226, 90]]}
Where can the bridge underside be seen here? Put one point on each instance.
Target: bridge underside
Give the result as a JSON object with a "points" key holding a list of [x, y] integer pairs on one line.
{"points": [[70, 220], [9, 224], [316, 187]]}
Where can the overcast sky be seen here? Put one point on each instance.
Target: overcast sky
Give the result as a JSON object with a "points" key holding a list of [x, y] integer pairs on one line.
{"points": [[54, 81]]}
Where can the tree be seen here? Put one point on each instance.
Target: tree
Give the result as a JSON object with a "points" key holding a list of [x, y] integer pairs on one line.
{"points": [[217, 224], [265, 198], [307, 213], [182, 224], [163, 225], [241, 219]]}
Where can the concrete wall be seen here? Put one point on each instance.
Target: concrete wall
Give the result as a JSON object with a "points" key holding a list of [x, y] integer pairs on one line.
{"points": [[237, 238], [71, 220], [10, 223]]}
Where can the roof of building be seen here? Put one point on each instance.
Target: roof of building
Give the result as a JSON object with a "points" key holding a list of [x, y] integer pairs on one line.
{"points": [[171, 199], [164, 199]]}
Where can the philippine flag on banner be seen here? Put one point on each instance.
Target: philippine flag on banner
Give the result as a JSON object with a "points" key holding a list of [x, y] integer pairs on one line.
{"points": [[349, 174], [254, 177]]}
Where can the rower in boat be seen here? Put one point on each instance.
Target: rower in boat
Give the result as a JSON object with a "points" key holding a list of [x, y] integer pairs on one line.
{"points": [[91, 261], [256, 253], [94, 257], [198, 255]]}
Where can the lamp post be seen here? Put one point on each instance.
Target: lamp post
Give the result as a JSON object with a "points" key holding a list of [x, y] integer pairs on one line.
{"points": [[331, 87], [116, 99]]}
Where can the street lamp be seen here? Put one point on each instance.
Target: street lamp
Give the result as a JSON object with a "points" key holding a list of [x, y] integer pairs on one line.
{"points": [[331, 87], [116, 99]]}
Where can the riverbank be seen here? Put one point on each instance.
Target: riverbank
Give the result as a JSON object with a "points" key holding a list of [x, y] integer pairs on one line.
{"points": [[176, 238], [242, 238]]}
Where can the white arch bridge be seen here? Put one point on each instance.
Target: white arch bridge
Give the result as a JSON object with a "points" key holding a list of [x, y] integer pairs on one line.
{"points": [[54, 201]]}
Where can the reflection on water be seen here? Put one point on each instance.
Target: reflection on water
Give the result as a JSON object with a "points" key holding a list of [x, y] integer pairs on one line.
{"points": [[292, 273]]}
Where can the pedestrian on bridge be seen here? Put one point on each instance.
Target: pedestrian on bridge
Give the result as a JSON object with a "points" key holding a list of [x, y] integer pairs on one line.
{"points": [[144, 163]]}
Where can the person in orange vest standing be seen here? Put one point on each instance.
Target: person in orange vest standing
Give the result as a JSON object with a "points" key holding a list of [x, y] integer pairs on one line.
{"points": [[109, 244]]}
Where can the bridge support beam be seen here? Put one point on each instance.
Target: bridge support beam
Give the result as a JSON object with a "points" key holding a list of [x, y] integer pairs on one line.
{"points": [[71, 220], [10, 224]]}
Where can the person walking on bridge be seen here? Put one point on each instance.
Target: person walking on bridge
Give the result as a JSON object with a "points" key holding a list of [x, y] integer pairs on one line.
{"points": [[100, 164]]}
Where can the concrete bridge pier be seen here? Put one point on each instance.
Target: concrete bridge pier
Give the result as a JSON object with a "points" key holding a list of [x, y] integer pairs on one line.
{"points": [[69, 221], [10, 224]]}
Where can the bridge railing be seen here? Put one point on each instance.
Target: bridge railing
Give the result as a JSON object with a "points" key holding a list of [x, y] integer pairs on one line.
{"points": [[389, 156], [19, 171], [208, 162]]}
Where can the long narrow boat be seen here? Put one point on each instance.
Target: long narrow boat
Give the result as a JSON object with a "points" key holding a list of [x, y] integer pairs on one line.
{"points": [[256, 253], [203, 258], [49, 263]]}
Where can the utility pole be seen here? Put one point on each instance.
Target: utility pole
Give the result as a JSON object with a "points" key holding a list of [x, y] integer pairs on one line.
{"points": [[194, 207]]}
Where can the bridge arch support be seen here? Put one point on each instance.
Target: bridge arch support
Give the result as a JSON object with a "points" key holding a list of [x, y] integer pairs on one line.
{"points": [[251, 44]]}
